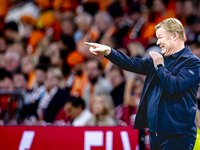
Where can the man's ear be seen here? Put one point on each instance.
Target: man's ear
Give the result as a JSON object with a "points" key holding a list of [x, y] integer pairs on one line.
{"points": [[175, 36]]}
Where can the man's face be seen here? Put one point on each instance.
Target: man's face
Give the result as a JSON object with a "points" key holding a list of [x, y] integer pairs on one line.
{"points": [[116, 78], [158, 6], [11, 63], [72, 111], [51, 80], [101, 23], [40, 76], [55, 57], [19, 81], [7, 84], [164, 41], [92, 70], [67, 28], [27, 66]]}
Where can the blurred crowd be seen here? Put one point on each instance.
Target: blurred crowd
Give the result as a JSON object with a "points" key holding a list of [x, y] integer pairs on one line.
{"points": [[49, 77]]}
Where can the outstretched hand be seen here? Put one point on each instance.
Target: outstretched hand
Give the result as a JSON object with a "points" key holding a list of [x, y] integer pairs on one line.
{"points": [[94, 48]]}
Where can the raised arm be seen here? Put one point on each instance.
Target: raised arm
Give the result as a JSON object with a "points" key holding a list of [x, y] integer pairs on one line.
{"points": [[136, 65]]}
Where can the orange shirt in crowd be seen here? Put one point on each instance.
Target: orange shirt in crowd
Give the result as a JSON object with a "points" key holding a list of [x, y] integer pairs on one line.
{"points": [[3, 8], [43, 3], [31, 79], [36, 36], [78, 85]]}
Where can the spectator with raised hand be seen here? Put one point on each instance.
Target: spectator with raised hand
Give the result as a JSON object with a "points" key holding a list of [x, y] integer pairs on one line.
{"points": [[103, 111]]}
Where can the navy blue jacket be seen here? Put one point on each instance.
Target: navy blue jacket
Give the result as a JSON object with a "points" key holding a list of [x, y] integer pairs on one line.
{"points": [[177, 107], [57, 102]]}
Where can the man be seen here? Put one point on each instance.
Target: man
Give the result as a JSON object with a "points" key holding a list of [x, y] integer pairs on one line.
{"points": [[168, 102], [75, 108], [97, 83], [104, 24], [12, 61], [20, 81]]}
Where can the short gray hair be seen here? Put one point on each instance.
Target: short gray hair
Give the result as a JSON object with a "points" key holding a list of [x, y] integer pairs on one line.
{"points": [[104, 15], [14, 54], [173, 25], [84, 16]]}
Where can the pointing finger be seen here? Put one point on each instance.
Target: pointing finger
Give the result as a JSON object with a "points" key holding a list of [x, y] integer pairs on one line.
{"points": [[90, 44], [95, 49], [94, 53]]}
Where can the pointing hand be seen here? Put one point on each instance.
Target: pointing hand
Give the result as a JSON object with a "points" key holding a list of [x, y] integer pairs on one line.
{"points": [[94, 48]]}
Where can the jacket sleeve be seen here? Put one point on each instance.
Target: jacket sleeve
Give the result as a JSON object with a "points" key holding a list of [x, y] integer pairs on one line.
{"points": [[136, 65], [187, 75]]}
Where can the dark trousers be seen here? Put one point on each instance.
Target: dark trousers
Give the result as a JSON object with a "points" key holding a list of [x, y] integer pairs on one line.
{"points": [[171, 142]]}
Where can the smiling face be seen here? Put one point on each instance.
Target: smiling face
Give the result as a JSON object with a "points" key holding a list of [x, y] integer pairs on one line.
{"points": [[165, 41]]}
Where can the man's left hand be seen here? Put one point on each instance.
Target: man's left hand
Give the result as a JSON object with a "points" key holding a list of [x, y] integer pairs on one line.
{"points": [[157, 58]]}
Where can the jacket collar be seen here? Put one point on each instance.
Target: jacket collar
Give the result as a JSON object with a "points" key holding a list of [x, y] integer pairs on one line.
{"points": [[186, 52]]}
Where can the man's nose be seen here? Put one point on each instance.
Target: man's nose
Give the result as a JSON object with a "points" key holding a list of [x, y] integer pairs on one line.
{"points": [[158, 42]]}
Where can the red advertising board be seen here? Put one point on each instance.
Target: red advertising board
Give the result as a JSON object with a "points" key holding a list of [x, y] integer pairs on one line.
{"points": [[68, 138]]}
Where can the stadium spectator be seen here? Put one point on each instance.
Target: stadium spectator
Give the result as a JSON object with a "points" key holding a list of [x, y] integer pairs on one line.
{"points": [[97, 83], [103, 111], [117, 79], [11, 32], [75, 109], [68, 26], [54, 97], [104, 23], [33, 95], [12, 61], [28, 64], [20, 81], [77, 80], [84, 22]]}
